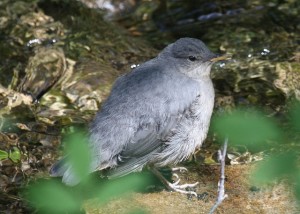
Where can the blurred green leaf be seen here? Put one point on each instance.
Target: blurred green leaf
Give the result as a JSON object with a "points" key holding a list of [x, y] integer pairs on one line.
{"points": [[276, 167], [138, 211], [3, 155], [295, 115], [52, 197], [121, 187], [248, 128], [15, 155], [78, 154]]}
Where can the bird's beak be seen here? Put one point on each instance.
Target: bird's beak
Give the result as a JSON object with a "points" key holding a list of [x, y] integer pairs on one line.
{"points": [[220, 58]]}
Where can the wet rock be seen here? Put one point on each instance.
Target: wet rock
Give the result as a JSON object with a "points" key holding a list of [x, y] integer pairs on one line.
{"points": [[288, 78], [43, 71]]}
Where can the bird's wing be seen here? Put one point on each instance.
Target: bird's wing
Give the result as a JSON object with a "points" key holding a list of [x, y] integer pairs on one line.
{"points": [[149, 139], [137, 153]]}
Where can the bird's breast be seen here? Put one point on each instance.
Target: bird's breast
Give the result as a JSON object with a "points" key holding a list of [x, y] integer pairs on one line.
{"points": [[204, 103], [192, 128], [200, 113]]}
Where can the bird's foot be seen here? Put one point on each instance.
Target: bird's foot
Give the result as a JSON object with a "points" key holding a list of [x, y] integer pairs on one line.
{"points": [[181, 188], [181, 170], [176, 187]]}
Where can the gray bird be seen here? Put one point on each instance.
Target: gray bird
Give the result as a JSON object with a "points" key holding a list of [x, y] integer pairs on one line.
{"points": [[157, 115]]}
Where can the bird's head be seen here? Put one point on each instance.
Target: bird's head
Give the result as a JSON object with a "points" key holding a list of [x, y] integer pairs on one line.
{"points": [[191, 56]]}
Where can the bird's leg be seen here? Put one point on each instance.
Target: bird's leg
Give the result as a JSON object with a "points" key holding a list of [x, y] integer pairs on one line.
{"points": [[174, 186]]}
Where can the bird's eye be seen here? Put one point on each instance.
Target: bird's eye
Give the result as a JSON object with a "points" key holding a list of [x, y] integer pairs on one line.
{"points": [[192, 58]]}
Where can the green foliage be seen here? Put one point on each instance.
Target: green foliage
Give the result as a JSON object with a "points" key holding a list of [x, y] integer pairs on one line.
{"points": [[276, 166], [3, 155], [247, 128], [253, 129], [15, 155], [54, 197], [78, 154], [138, 211], [121, 187]]}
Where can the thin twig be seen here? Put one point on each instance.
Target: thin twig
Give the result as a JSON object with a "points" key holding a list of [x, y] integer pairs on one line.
{"points": [[221, 186]]}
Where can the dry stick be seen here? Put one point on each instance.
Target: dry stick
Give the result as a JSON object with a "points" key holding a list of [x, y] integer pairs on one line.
{"points": [[221, 187]]}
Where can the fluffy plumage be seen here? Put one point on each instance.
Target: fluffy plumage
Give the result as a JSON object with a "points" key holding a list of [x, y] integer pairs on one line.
{"points": [[157, 114]]}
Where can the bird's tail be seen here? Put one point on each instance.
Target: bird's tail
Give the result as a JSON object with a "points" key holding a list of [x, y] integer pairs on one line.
{"points": [[63, 169]]}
